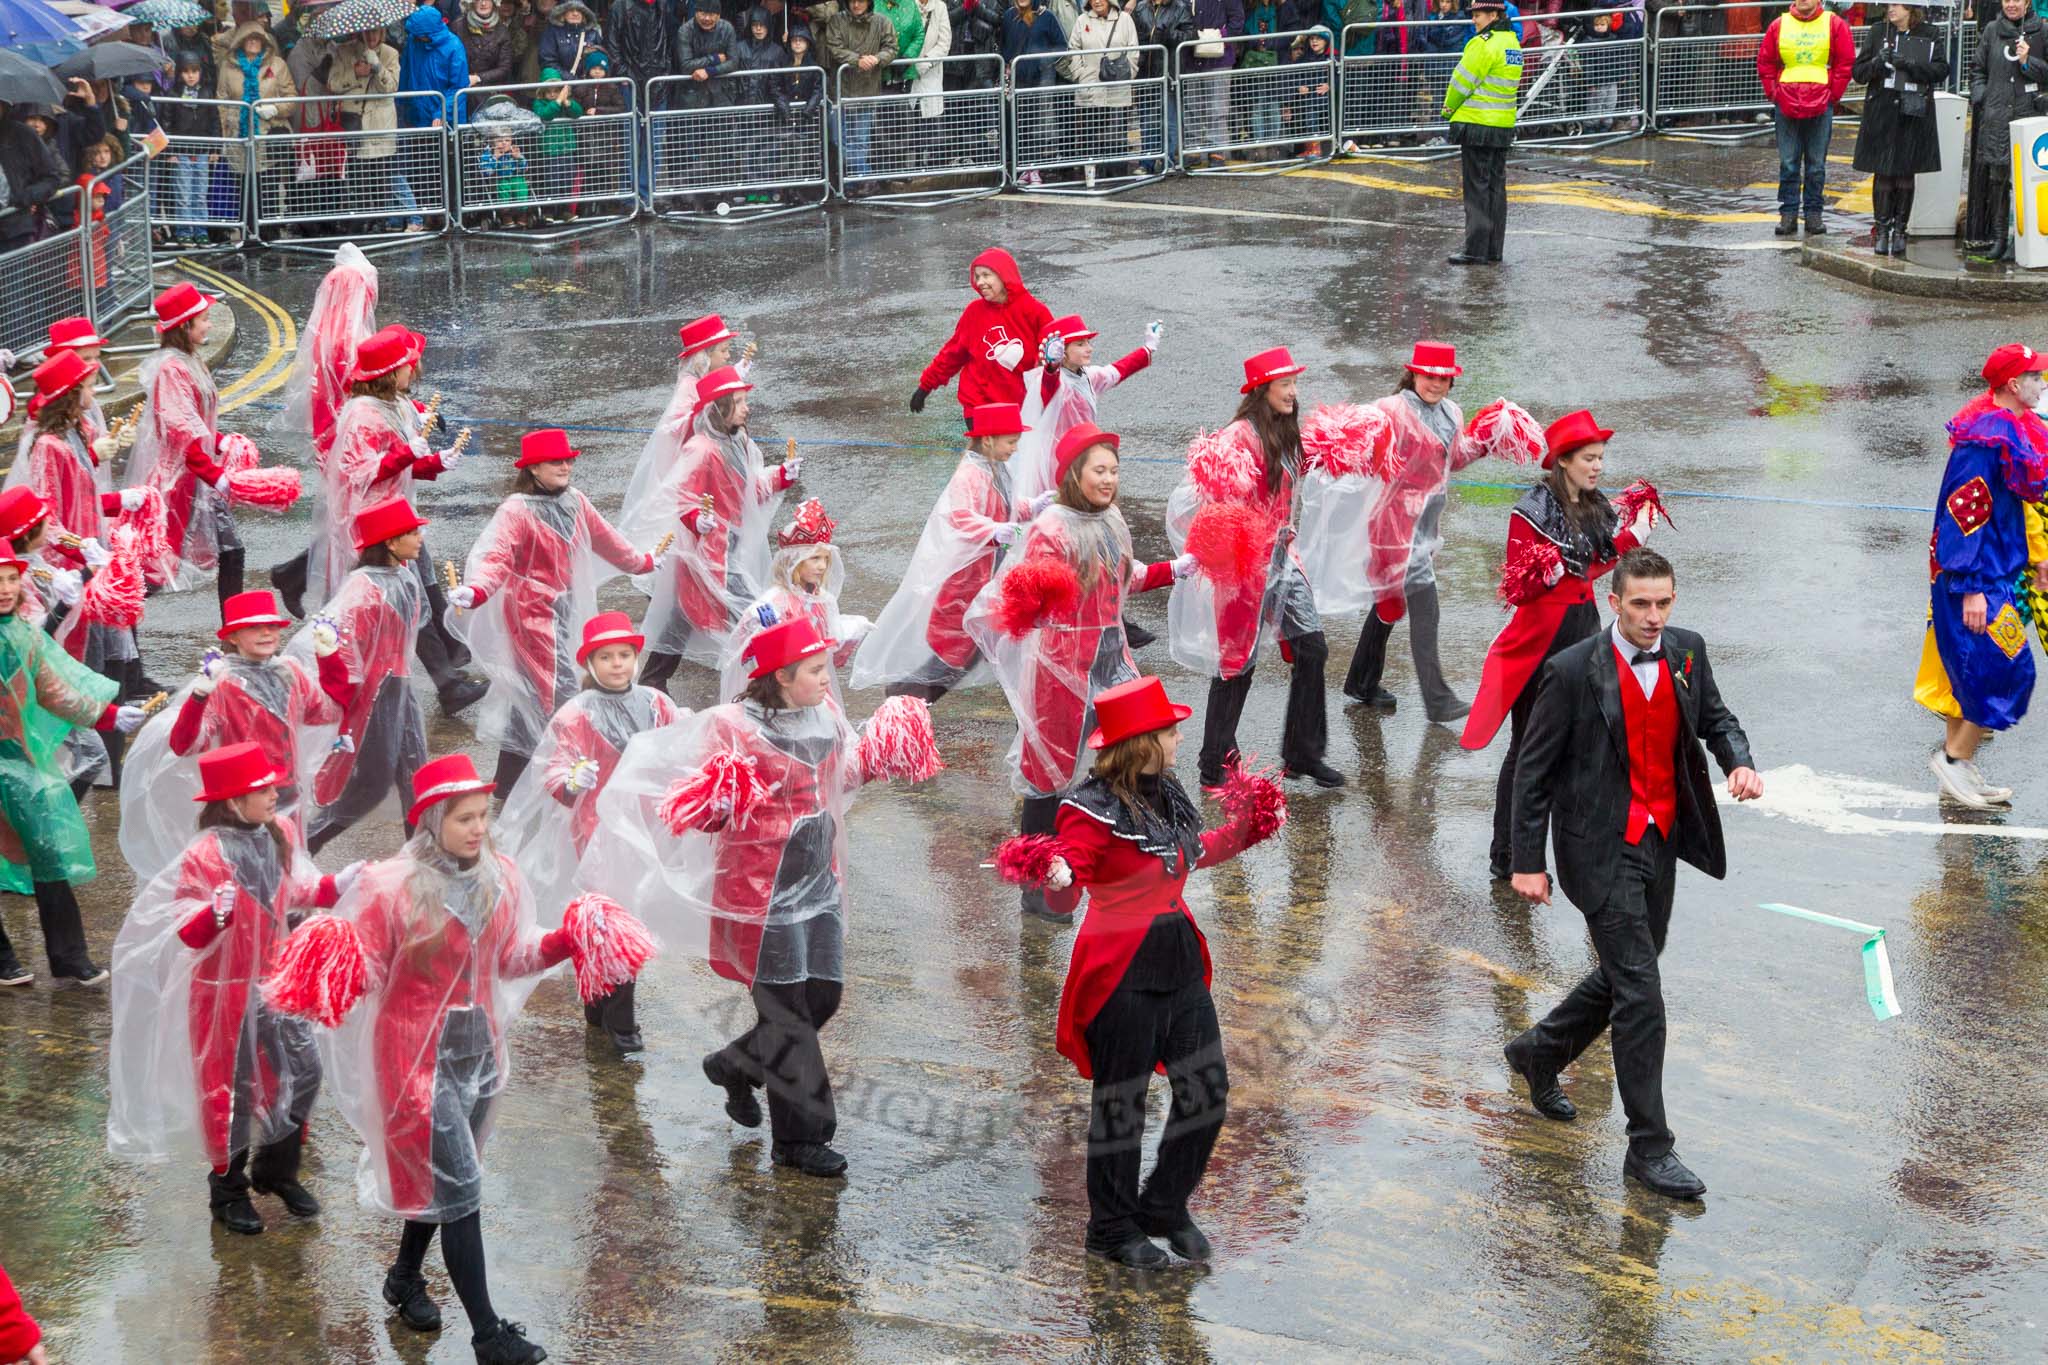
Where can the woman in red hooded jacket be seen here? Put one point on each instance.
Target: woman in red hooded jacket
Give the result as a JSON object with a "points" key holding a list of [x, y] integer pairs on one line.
{"points": [[994, 342]]}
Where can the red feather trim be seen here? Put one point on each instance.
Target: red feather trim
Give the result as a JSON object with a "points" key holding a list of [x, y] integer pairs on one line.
{"points": [[1037, 588], [236, 452], [1349, 438], [725, 790], [607, 946], [1634, 498], [320, 971], [1027, 859], [1505, 431], [1232, 541], [274, 489], [115, 594], [1226, 465], [1253, 801], [1525, 575], [897, 741]]}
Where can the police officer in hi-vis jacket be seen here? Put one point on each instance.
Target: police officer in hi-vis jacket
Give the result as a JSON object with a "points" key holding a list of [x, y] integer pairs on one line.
{"points": [[1480, 104]]}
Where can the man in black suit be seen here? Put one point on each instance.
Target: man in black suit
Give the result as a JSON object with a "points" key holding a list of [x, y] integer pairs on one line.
{"points": [[1614, 751]]}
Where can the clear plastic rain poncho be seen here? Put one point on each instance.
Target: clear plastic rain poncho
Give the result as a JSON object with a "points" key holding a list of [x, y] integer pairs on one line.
{"points": [[371, 435], [920, 636], [644, 517], [61, 468], [94, 420], [1056, 400], [758, 893], [344, 314], [418, 1065], [551, 812], [539, 564], [277, 704], [198, 1065], [1052, 671], [785, 600], [82, 755], [44, 695], [706, 582], [179, 414]]}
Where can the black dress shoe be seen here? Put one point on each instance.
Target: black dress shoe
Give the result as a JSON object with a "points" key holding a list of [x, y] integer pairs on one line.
{"points": [[1322, 774], [1379, 699], [628, 1043], [408, 1294], [1665, 1175], [237, 1215], [811, 1158], [1140, 1253], [506, 1344], [1460, 258], [298, 1200], [1499, 872], [740, 1104], [458, 695], [1544, 1093], [1210, 781], [1187, 1241], [1456, 713]]}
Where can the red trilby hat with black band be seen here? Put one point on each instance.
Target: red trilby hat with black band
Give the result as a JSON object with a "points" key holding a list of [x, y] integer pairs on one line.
{"points": [[1437, 358], [58, 375], [247, 609], [386, 520], [234, 770], [702, 334], [1267, 366], [779, 646], [607, 628], [1074, 442], [70, 333], [444, 779], [380, 353], [1568, 433], [1137, 707], [178, 305], [22, 509], [2010, 361], [996, 419], [1069, 329], [546, 446]]}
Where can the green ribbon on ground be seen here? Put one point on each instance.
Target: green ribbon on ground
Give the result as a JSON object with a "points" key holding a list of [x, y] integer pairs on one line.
{"points": [[1877, 966]]}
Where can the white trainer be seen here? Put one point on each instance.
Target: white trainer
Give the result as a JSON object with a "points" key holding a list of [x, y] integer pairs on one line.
{"points": [[1956, 784], [2000, 796]]}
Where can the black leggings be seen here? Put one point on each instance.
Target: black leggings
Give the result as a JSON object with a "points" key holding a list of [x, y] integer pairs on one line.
{"points": [[462, 1249], [1891, 197], [781, 1054]]}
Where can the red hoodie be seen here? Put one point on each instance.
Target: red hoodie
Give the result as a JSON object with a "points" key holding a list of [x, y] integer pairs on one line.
{"points": [[985, 332]]}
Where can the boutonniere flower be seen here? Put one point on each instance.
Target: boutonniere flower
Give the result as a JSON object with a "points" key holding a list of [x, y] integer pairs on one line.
{"points": [[1685, 669]]}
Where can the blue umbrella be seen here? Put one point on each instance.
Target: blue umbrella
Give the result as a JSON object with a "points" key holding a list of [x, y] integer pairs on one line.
{"points": [[37, 31]]}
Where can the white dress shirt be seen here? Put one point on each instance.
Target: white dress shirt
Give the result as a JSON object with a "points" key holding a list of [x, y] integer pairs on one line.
{"points": [[1646, 673]]}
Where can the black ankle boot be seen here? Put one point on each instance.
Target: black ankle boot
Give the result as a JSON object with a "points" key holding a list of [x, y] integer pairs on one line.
{"points": [[231, 1206], [506, 1344]]}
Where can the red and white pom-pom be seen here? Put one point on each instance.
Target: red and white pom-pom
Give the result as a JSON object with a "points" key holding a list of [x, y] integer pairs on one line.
{"points": [[607, 945], [152, 544], [1035, 589], [1232, 542], [897, 741], [810, 526], [1634, 498], [115, 594], [1526, 574], [725, 790], [274, 489], [236, 452], [1254, 801], [320, 971], [1505, 431], [1348, 438], [1228, 464], [1027, 859]]}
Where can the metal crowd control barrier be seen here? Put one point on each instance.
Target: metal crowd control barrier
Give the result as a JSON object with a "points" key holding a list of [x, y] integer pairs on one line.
{"points": [[1276, 116], [333, 184], [1102, 136], [196, 185], [1393, 81], [116, 250], [42, 282], [734, 163], [545, 176], [1710, 77], [1966, 54], [951, 141]]}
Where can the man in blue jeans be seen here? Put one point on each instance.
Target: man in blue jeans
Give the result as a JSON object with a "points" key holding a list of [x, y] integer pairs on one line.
{"points": [[1804, 62], [864, 43]]}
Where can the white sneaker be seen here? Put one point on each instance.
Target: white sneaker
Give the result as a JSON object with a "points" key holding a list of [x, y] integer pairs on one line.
{"points": [[2000, 796], [1956, 784], [1088, 175]]}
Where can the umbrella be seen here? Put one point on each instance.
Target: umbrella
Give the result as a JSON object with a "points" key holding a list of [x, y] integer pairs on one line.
{"points": [[36, 31], [354, 16], [165, 15], [111, 61], [502, 115], [24, 82]]}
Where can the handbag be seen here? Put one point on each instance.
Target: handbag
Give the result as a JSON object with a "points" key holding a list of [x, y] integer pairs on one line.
{"points": [[1208, 43], [1116, 67]]}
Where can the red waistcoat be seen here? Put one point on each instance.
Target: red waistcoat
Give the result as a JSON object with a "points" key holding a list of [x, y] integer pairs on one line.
{"points": [[1652, 725]]}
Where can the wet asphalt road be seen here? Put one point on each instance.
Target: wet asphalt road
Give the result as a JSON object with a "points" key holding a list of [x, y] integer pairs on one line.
{"points": [[1380, 1191]]}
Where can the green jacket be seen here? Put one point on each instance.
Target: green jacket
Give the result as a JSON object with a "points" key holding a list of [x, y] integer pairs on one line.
{"points": [[558, 120], [1482, 89], [908, 20]]}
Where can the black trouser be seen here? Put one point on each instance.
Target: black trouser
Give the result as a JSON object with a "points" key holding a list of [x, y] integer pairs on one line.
{"points": [[1135, 1031], [1486, 200], [781, 1054], [1891, 199], [441, 652], [1624, 991], [289, 578], [1040, 816], [510, 767], [271, 1165], [1580, 620], [1369, 660], [656, 668], [1304, 736], [462, 1249], [613, 1012], [63, 931]]}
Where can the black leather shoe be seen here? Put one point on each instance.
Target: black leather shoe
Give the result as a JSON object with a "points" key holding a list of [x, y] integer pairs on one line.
{"points": [[238, 1215], [1187, 1241], [1210, 781], [1460, 258], [1499, 872], [1140, 1253], [1665, 1175], [1456, 713], [506, 1344], [1379, 699], [459, 695], [740, 1104], [812, 1158], [627, 1043], [1544, 1093], [1322, 774], [408, 1294], [298, 1200]]}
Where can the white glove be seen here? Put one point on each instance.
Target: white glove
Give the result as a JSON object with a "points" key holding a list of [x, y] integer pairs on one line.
{"points": [[346, 878], [1640, 527], [707, 524], [103, 449], [6, 359], [326, 635], [344, 745], [211, 665], [65, 585], [1009, 355], [224, 904], [1055, 350], [1042, 501], [1153, 331], [1060, 876], [96, 554], [1554, 575], [463, 597], [1184, 566], [265, 110], [128, 719], [132, 499], [582, 775], [450, 458], [792, 468], [1007, 532]]}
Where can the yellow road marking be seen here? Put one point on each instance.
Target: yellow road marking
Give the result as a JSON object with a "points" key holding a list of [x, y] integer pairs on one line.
{"points": [[274, 367], [1565, 194]]}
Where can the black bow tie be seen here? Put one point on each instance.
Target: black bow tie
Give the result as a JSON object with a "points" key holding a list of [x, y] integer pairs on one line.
{"points": [[1644, 656]]}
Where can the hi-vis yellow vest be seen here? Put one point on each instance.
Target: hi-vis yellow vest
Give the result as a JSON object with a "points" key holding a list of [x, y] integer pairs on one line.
{"points": [[1803, 48]]}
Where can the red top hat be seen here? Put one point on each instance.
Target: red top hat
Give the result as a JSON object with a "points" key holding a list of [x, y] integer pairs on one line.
{"points": [[70, 333], [545, 446], [702, 333], [1134, 708], [250, 609], [22, 509], [11, 560], [810, 527], [781, 645], [996, 419], [1267, 366], [442, 779], [415, 343], [382, 352], [1069, 329], [1568, 433], [58, 375], [716, 385], [1074, 442], [386, 520], [2011, 361], [1434, 357], [234, 770], [179, 304], [607, 628]]}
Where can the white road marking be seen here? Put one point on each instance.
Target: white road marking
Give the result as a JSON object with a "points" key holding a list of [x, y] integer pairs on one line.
{"points": [[1837, 803]]}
